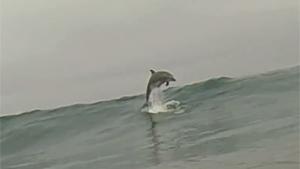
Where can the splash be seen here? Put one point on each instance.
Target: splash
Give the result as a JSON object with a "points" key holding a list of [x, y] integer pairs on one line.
{"points": [[158, 103]]}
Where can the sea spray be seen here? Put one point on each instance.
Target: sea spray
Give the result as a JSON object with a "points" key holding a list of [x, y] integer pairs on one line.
{"points": [[159, 104], [156, 101]]}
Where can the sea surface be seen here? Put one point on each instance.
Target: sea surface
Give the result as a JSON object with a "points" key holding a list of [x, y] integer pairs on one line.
{"points": [[224, 123]]}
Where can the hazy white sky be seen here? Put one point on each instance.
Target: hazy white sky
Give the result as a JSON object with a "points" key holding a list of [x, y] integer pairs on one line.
{"points": [[61, 52]]}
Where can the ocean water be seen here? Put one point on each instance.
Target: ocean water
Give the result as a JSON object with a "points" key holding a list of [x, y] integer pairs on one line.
{"points": [[248, 122]]}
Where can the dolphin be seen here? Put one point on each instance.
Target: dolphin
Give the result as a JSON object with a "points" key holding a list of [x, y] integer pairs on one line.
{"points": [[156, 80]]}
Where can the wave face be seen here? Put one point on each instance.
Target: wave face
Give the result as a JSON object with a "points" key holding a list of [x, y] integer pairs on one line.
{"points": [[226, 123]]}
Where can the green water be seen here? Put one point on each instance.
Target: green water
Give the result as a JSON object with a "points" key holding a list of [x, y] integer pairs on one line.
{"points": [[225, 123]]}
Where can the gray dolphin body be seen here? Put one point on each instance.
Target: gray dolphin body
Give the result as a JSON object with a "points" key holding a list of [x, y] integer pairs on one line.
{"points": [[156, 80]]}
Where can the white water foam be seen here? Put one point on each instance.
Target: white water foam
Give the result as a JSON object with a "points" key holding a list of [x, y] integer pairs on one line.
{"points": [[157, 103]]}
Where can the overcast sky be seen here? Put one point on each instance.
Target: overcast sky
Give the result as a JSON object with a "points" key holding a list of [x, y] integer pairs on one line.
{"points": [[61, 52]]}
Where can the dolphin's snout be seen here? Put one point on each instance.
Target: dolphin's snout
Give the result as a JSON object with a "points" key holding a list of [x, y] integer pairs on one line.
{"points": [[173, 79]]}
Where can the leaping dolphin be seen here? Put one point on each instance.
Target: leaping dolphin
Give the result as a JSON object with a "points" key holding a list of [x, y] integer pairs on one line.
{"points": [[156, 80]]}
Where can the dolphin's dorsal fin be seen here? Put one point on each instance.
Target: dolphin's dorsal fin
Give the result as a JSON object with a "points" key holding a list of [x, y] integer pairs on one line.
{"points": [[152, 71]]}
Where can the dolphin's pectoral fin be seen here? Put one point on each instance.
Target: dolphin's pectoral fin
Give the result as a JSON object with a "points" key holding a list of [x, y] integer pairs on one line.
{"points": [[167, 83]]}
